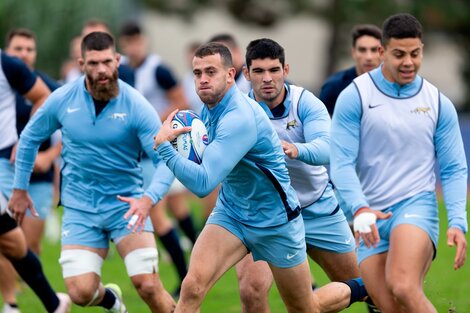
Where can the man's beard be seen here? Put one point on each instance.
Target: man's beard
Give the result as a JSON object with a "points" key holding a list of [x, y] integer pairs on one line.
{"points": [[104, 92]]}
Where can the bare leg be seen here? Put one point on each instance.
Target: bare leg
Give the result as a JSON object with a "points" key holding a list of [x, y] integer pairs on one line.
{"points": [[216, 250], [149, 286], [254, 281], [407, 266]]}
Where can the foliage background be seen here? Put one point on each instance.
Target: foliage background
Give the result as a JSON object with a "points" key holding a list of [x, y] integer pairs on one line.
{"points": [[57, 22]]}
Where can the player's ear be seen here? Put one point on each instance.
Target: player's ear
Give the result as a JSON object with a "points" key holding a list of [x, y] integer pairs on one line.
{"points": [[81, 62], [118, 58], [246, 73], [286, 69]]}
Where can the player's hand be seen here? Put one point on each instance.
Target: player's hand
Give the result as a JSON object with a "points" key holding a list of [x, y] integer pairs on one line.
{"points": [[290, 149], [20, 201], [43, 163], [365, 226], [167, 133], [456, 237], [138, 212]]}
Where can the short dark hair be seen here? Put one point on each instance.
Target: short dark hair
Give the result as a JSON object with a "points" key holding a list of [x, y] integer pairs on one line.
{"points": [[365, 30], [22, 32], [96, 22], [264, 48], [129, 29], [212, 48], [97, 41], [226, 39], [400, 26]]}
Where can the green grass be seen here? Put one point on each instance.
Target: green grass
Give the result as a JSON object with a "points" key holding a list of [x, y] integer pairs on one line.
{"points": [[446, 288]]}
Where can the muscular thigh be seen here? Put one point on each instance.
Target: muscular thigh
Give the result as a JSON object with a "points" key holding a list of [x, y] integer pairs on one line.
{"points": [[338, 266], [410, 254]]}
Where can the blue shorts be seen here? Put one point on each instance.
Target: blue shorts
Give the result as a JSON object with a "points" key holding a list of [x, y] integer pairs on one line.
{"points": [[7, 175], [42, 194], [282, 246], [326, 226], [419, 210], [95, 230]]}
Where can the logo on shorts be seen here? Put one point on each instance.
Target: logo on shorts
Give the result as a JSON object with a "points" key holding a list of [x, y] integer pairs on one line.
{"points": [[407, 215], [65, 233], [290, 256], [347, 241]]}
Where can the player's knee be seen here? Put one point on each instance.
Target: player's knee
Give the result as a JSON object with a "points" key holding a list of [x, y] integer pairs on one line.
{"points": [[253, 290], [82, 295], [146, 288], [193, 287], [402, 289]]}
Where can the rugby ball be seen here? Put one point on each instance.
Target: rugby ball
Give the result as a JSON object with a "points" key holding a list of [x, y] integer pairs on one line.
{"points": [[190, 145]]}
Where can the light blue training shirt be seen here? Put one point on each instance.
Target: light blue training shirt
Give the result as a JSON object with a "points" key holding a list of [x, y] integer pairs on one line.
{"points": [[101, 153], [386, 140], [244, 153]]}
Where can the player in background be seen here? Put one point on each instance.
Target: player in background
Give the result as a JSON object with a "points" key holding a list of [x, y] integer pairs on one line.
{"points": [[21, 43], [157, 83], [389, 129], [72, 69], [365, 52], [105, 124], [16, 77], [302, 123]]}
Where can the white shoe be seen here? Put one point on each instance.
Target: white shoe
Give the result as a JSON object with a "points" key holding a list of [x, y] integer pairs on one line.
{"points": [[118, 294], [65, 304], [8, 309]]}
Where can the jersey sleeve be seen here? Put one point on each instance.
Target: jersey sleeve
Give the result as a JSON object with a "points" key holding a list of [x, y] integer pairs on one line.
{"points": [[17, 73], [147, 124], [316, 123], [41, 126], [452, 163], [165, 77], [234, 139], [344, 149]]}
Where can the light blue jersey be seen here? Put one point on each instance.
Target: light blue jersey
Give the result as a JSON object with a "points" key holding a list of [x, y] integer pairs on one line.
{"points": [[305, 122], [100, 153], [244, 153], [386, 140]]}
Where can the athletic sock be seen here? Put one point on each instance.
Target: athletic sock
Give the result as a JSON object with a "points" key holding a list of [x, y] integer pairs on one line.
{"points": [[187, 226], [358, 290], [171, 243], [30, 270], [109, 300]]}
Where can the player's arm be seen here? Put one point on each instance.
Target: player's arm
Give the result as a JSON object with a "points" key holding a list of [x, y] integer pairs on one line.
{"points": [[37, 94], [316, 123], [39, 128], [23, 80], [453, 173], [234, 139], [344, 148]]}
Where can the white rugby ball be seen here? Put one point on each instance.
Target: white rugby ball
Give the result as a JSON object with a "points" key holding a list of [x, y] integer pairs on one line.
{"points": [[190, 145]]}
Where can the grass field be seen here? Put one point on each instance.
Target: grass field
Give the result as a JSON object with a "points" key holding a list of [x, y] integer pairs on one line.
{"points": [[448, 289]]}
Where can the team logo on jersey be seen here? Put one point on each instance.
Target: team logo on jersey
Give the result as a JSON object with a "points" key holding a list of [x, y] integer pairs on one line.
{"points": [[421, 110], [118, 116], [292, 124]]}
